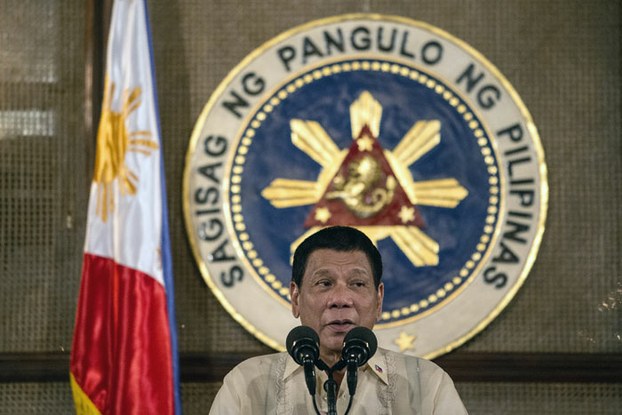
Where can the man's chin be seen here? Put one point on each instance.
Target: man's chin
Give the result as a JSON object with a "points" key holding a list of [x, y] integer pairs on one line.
{"points": [[332, 344]]}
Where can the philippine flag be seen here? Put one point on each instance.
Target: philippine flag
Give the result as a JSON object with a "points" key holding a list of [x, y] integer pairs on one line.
{"points": [[124, 352]]}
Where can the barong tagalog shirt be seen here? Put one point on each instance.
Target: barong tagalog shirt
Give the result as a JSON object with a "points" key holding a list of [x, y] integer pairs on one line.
{"points": [[389, 383]]}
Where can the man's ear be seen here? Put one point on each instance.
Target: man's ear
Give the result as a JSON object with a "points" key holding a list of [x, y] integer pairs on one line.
{"points": [[380, 297], [294, 293]]}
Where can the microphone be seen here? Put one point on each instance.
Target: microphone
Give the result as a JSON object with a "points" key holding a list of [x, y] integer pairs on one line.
{"points": [[303, 346], [359, 346]]}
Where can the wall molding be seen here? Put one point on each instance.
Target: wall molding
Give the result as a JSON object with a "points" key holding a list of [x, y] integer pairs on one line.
{"points": [[461, 366]]}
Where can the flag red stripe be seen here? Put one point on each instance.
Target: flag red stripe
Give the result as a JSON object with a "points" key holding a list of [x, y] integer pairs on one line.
{"points": [[121, 353]]}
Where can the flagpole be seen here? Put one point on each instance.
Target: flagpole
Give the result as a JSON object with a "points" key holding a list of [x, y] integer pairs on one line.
{"points": [[96, 37]]}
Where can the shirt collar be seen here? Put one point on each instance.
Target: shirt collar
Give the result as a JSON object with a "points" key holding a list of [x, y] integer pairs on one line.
{"points": [[377, 364], [290, 367]]}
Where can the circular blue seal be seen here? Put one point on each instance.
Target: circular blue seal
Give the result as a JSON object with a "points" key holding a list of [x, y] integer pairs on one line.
{"points": [[382, 123]]}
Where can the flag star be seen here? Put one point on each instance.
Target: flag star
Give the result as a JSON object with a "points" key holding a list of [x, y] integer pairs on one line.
{"points": [[365, 143], [322, 214], [405, 341], [407, 214]]}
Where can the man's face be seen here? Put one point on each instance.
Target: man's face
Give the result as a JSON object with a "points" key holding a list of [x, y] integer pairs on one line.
{"points": [[336, 294]]}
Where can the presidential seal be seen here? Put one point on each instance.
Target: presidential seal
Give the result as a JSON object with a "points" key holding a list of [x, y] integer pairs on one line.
{"points": [[386, 124]]}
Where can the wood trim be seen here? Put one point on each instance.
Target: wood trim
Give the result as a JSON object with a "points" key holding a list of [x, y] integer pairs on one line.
{"points": [[533, 367], [462, 367]]}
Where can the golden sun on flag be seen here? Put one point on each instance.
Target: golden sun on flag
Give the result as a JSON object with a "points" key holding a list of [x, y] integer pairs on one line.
{"points": [[114, 141]]}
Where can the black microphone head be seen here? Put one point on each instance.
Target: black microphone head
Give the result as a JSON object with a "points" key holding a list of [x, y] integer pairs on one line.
{"points": [[303, 343], [360, 343]]}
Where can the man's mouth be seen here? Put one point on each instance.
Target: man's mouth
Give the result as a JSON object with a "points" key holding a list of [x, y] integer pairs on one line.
{"points": [[341, 325]]}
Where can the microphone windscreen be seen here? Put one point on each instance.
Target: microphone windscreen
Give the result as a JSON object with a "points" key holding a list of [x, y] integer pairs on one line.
{"points": [[362, 334], [298, 336]]}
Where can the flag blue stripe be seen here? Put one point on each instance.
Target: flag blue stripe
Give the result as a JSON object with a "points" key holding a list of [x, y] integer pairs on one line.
{"points": [[167, 263]]}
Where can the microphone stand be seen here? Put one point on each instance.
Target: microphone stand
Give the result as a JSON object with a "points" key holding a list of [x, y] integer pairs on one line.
{"points": [[330, 386]]}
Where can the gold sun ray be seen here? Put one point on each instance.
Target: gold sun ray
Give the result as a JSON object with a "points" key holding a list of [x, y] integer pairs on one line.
{"points": [[284, 193], [141, 145], [142, 133], [445, 193], [365, 111], [131, 101], [129, 179], [422, 137], [310, 137], [420, 249]]}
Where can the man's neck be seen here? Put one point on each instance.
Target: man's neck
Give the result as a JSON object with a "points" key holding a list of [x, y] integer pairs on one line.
{"points": [[331, 359]]}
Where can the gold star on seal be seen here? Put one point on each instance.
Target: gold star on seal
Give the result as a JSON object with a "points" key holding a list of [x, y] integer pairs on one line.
{"points": [[405, 341], [322, 214], [365, 143], [407, 214]]}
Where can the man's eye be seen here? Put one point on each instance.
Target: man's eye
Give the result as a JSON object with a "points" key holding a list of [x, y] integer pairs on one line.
{"points": [[359, 284], [324, 283]]}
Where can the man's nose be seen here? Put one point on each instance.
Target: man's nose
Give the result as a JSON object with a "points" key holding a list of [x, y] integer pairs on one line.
{"points": [[340, 296]]}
